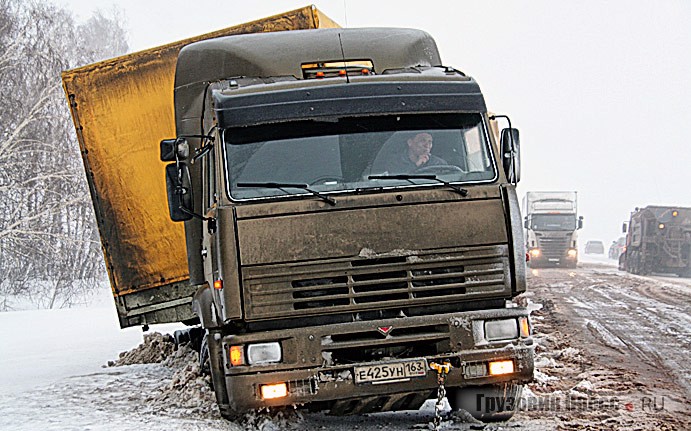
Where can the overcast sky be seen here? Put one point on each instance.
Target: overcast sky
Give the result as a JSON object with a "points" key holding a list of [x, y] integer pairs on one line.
{"points": [[599, 89]]}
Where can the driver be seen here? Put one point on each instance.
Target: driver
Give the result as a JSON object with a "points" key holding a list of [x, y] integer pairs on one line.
{"points": [[416, 155]]}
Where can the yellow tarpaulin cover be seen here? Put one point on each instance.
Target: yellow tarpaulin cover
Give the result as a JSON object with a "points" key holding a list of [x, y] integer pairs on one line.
{"points": [[122, 108]]}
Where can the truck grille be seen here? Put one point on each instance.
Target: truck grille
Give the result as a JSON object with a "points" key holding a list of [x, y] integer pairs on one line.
{"points": [[401, 342], [360, 284], [553, 247]]}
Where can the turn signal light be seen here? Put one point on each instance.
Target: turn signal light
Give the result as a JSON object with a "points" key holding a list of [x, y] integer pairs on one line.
{"points": [[525, 326], [276, 390], [237, 356], [218, 284], [500, 367]]}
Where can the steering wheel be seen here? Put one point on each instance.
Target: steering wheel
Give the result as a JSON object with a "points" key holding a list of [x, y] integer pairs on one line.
{"points": [[440, 169]]}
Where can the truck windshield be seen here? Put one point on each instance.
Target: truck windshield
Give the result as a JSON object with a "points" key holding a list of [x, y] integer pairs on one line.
{"points": [[553, 222], [336, 155]]}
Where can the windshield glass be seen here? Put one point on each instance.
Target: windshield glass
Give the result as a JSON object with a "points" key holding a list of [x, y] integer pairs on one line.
{"points": [[553, 222], [347, 154]]}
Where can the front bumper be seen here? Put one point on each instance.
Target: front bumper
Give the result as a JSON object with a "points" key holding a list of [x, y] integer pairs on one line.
{"points": [[542, 260], [312, 375]]}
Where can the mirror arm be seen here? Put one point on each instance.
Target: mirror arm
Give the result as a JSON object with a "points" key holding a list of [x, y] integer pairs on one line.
{"points": [[195, 215], [181, 191], [201, 152], [494, 117]]}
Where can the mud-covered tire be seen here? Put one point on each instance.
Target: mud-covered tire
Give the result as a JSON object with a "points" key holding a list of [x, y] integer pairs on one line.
{"points": [[211, 361], [204, 357], [488, 403]]}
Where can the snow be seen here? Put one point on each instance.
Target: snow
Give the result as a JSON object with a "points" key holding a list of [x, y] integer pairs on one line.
{"points": [[53, 374], [41, 347]]}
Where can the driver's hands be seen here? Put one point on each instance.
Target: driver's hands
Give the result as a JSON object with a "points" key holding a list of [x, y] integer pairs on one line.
{"points": [[424, 158]]}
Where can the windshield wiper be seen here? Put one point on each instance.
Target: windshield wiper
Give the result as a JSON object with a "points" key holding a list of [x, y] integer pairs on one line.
{"points": [[461, 191], [271, 185]]}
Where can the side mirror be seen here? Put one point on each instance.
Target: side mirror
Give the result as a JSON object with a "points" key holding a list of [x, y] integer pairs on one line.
{"points": [[179, 191], [174, 149], [624, 228], [580, 222], [511, 154]]}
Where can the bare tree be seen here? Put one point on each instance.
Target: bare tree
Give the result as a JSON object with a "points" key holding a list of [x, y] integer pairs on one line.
{"points": [[49, 249]]}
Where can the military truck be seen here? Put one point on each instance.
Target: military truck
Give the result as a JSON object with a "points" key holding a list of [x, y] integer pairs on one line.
{"points": [[551, 228], [658, 239], [351, 225]]}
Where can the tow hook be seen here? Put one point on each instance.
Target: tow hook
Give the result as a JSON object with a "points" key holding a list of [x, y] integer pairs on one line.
{"points": [[442, 370]]}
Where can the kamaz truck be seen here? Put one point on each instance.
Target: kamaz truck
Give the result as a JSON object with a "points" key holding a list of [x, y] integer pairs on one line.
{"points": [[658, 239], [551, 224], [352, 237]]}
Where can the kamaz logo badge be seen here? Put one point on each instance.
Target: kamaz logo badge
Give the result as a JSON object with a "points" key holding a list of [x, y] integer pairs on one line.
{"points": [[384, 330]]}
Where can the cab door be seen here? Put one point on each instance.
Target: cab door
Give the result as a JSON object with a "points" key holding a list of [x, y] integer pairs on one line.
{"points": [[209, 209]]}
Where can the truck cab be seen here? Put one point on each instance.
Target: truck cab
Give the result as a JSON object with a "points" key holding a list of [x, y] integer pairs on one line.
{"points": [[351, 218], [658, 239], [339, 216], [551, 224]]}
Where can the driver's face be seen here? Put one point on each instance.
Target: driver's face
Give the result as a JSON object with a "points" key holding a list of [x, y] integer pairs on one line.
{"points": [[421, 144]]}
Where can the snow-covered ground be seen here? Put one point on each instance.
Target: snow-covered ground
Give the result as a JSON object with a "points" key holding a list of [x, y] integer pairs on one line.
{"points": [[52, 376], [41, 347], [598, 259]]}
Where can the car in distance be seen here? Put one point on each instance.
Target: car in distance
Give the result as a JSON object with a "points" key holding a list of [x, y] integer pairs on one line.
{"points": [[594, 247]]}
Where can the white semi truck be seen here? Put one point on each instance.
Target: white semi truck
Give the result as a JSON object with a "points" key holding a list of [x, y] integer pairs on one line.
{"points": [[551, 224]]}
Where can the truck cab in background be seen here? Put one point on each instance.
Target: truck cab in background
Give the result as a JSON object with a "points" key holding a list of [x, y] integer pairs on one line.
{"points": [[658, 239], [551, 228]]}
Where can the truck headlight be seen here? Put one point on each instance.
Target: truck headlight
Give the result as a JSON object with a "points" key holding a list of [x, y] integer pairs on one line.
{"points": [[535, 252], [572, 252], [264, 353], [506, 329]]}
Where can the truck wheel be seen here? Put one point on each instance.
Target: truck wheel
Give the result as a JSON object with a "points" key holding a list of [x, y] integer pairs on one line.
{"points": [[488, 403], [204, 357], [211, 362]]}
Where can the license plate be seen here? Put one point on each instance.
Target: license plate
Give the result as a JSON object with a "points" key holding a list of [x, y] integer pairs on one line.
{"points": [[391, 372]]}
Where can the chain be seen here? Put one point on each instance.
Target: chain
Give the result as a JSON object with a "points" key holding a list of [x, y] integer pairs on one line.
{"points": [[442, 370]]}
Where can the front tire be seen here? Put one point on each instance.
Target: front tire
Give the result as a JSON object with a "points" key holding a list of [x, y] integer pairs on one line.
{"points": [[211, 361], [488, 403]]}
